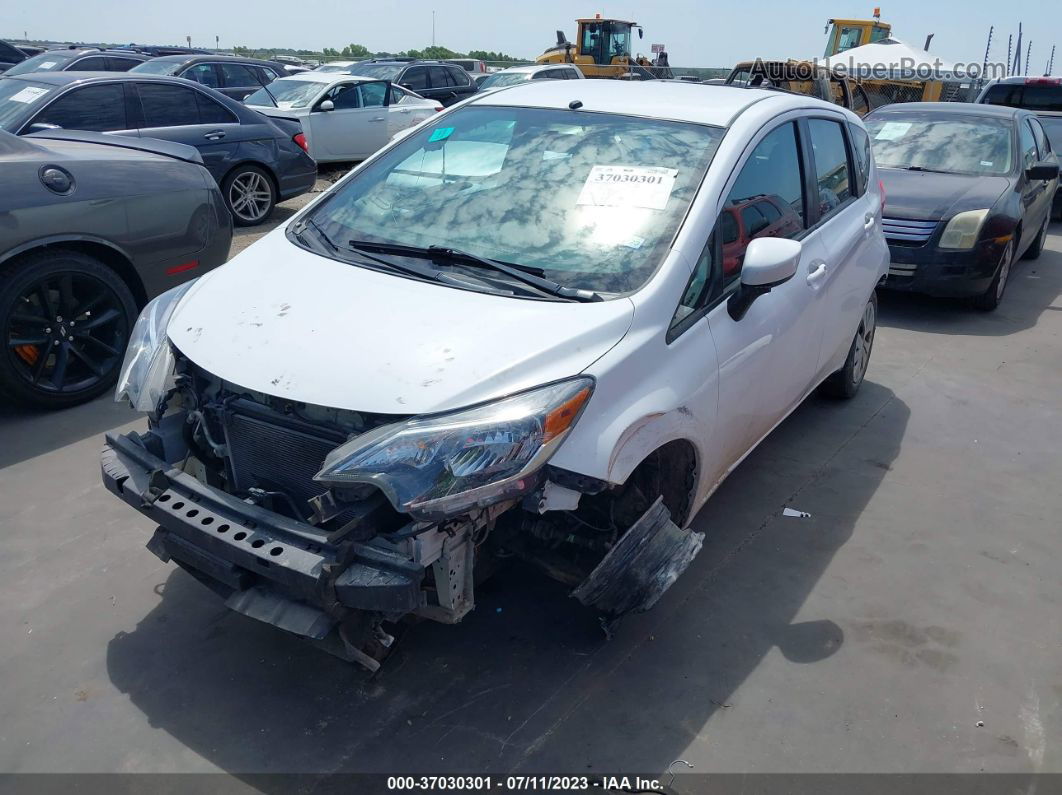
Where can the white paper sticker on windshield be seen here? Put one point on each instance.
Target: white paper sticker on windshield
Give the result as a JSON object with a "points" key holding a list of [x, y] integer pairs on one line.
{"points": [[628, 186], [891, 130], [43, 67], [29, 94]]}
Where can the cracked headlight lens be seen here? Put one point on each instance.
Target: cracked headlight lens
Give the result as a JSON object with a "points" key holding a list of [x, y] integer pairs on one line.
{"points": [[147, 370], [443, 465]]}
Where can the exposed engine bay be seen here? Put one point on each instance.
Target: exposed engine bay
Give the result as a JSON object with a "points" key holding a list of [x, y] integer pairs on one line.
{"points": [[229, 475]]}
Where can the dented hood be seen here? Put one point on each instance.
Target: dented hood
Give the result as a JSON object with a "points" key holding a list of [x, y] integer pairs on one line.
{"points": [[287, 322]]}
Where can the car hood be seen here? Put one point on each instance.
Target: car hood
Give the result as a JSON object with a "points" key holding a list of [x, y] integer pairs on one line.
{"points": [[927, 195], [287, 322]]}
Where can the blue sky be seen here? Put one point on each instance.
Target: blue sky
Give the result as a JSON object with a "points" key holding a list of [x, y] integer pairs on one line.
{"points": [[696, 33]]}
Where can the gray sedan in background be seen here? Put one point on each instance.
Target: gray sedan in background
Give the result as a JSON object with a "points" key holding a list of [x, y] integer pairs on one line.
{"points": [[257, 161], [92, 227]]}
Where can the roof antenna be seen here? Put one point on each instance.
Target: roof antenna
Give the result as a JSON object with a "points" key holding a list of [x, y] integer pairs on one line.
{"points": [[575, 104]]}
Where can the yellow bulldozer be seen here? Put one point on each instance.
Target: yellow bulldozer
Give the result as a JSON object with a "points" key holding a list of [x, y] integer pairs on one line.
{"points": [[602, 49]]}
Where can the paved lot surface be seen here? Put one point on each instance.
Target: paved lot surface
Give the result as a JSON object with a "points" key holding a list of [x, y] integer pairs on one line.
{"points": [[920, 601]]}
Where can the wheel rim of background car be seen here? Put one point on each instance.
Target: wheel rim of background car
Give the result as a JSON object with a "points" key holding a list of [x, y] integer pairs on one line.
{"points": [[250, 196], [66, 332], [1004, 270], [864, 341]]}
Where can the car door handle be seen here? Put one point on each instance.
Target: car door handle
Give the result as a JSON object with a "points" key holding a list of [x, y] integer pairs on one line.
{"points": [[215, 135], [816, 273], [868, 221], [378, 118]]}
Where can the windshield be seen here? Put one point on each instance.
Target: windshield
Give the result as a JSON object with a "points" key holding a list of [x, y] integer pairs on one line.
{"points": [[505, 79], [16, 96], [953, 144], [288, 93], [53, 61], [384, 71], [593, 200], [157, 67], [332, 67], [1042, 97]]}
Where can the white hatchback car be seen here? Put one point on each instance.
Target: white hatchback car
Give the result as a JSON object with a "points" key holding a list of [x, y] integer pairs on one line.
{"points": [[344, 117], [545, 324]]}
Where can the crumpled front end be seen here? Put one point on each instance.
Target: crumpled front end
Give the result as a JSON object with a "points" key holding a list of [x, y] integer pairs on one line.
{"points": [[233, 479]]}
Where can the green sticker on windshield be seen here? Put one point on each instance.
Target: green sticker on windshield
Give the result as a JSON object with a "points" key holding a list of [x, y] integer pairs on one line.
{"points": [[441, 134]]}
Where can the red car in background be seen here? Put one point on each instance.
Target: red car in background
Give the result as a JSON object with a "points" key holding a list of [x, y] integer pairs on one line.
{"points": [[757, 216]]}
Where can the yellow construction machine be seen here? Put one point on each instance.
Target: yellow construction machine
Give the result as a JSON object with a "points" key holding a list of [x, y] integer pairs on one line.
{"points": [[846, 34], [602, 49]]}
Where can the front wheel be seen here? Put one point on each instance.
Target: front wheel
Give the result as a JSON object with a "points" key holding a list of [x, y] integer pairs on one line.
{"points": [[250, 195], [990, 298], [846, 382], [65, 318]]}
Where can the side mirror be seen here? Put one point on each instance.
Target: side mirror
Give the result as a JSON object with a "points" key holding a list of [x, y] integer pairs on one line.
{"points": [[41, 126], [769, 262], [1042, 171], [326, 106]]}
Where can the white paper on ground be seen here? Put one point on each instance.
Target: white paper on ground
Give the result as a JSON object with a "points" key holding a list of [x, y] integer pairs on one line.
{"points": [[628, 186]]}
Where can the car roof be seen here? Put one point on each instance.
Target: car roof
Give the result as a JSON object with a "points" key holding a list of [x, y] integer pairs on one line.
{"points": [[1033, 79], [73, 76], [192, 57], [680, 101], [952, 108], [314, 76]]}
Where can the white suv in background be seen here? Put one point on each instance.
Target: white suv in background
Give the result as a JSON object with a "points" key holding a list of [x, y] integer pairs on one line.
{"points": [[546, 323]]}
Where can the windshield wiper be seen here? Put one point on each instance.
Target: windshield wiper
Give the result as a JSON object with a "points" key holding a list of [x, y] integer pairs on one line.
{"points": [[422, 273], [519, 273], [922, 168]]}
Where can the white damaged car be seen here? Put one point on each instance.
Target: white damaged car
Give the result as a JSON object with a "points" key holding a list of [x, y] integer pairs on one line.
{"points": [[546, 323]]}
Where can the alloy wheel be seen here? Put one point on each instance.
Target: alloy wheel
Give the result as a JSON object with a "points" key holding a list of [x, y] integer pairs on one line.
{"points": [[864, 341], [66, 332], [250, 196]]}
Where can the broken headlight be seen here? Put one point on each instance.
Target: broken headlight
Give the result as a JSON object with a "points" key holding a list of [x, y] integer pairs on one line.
{"points": [[147, 370], [445, 464]]}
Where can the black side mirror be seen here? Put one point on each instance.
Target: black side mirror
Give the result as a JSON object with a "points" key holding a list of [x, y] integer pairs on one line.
{"points": [[1042, 171]]}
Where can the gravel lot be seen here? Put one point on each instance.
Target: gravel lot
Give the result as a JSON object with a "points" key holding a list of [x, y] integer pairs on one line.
{"points": [[911, 624]]}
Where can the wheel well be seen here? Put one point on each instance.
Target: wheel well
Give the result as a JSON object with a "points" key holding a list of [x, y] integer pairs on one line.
{"points": [[669, 471], [113, 259]]}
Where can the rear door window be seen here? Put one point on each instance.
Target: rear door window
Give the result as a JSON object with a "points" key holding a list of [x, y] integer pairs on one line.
{"points": [[96, 108], [236, 75], [440, 77], [204, 74], [115, 64], [831, 165], [861, 150], [168, 106], [212, 112]]}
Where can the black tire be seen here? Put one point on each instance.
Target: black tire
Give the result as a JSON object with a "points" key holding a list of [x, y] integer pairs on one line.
{"points": [[845, 383], [61, 361], [990, 298], [253, 184], [1033, 251]]}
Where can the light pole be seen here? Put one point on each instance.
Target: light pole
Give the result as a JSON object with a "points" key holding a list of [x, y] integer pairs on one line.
{"points": [[217, 44], [433, 28]]}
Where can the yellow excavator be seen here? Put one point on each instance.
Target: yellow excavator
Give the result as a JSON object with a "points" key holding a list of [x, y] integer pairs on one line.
{"points": [[602, 49]]}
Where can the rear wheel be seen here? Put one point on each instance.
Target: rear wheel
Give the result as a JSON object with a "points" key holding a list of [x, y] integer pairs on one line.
{"points": [[846, 382], [250, 195], [990, 298], [65, 318]]}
